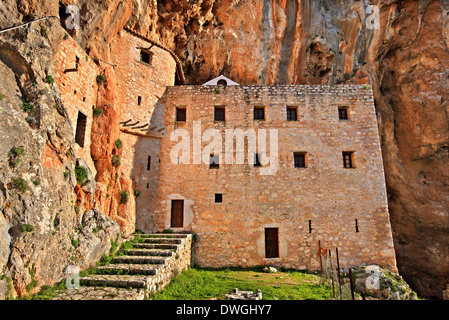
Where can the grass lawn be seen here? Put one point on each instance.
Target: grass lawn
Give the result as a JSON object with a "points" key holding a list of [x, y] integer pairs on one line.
{"points": [[202, 284]]}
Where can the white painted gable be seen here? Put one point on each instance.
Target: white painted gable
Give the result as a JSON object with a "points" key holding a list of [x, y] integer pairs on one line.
{"points": [[214, 81]]}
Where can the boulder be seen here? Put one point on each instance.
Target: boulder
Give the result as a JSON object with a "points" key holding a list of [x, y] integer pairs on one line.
{"points": [[381, 283], [270, 270]]}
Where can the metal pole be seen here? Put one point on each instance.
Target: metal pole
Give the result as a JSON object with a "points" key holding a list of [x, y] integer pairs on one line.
{"points": [[319, 253], [352, 286], [338, 272], [111, 64], [331, 274]]}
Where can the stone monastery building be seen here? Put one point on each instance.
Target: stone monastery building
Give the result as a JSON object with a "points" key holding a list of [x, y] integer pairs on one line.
{"points": [[318, 184]]}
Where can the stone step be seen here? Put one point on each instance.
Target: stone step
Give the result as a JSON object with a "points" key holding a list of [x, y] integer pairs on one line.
{"points": [[162, 240], [129, 269], [158, 246], [162, 235], [118, 281], [140, 259], [149, 252], [100, 293]]}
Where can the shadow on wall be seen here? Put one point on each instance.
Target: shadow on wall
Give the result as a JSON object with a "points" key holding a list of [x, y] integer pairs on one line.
{"points": [[145, 166]]}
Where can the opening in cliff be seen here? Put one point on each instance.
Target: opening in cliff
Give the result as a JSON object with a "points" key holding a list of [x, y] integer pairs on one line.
{"points": [[81, 124]]}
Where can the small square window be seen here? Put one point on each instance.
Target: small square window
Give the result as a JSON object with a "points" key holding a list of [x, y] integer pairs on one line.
{"points": [[146, 56], [219, 114], [214, 162], [292, 113], [348, 159], [259, 113], [343, 113], [300, 159], [181, 114], [218, 198]]}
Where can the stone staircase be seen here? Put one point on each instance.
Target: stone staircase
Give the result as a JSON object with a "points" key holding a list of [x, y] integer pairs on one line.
{"points": [[146, 268]]}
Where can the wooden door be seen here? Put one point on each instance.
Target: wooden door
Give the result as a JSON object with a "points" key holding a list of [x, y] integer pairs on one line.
{"points": [[271, 243], [177, 213]]}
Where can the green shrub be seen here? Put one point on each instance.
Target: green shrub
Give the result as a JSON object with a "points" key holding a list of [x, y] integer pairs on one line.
{"points": [[26, 228], [104, 260], [136, 193], [77, 209], [56, 222], [2, 96], [118, 143], [20, 184], [81, 174], [37, 182], [15, 155], [116, 160], [18, 151], [49, 79], [114, 245], [44, 32], [66, 174], [101, 79], [217, 91], [98, 112], [34, 283], [74, 242], [124, 196], [27, 107]]}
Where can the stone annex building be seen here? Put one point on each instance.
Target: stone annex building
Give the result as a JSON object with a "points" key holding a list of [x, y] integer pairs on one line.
{"points": [[328, 189]]}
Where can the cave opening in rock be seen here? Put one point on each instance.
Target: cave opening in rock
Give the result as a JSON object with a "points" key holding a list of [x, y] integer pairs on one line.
{"points": [[63, 14]]}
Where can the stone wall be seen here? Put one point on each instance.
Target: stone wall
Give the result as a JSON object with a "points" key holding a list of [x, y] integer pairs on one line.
{"points": [[136, 78], [307, 205], [76, 80], [173, 266], [141, 83]]}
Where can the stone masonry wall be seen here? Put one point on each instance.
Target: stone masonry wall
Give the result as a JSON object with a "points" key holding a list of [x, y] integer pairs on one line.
{"points": [[148, 81], [136, 78], [78, 87], [173, 266], [307, 205]]}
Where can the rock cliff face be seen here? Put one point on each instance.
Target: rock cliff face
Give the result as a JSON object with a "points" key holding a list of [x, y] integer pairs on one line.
{"points": [[405, 58], [45, 221]]}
